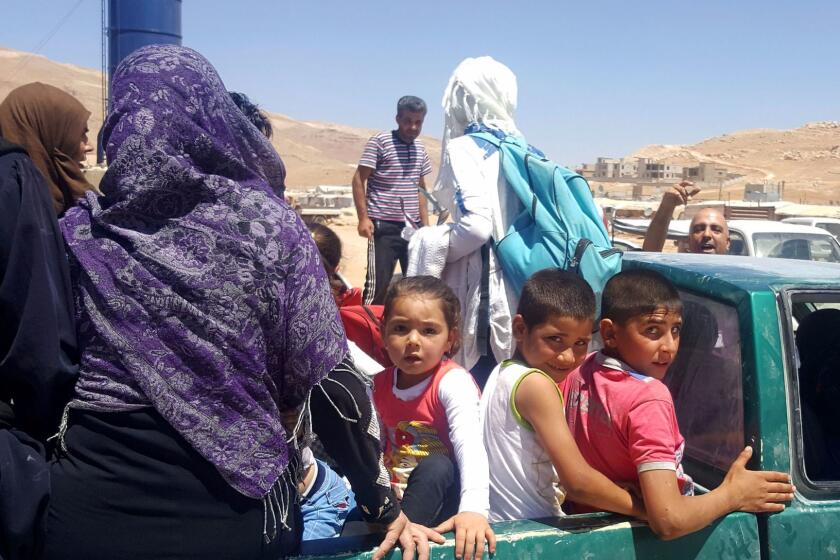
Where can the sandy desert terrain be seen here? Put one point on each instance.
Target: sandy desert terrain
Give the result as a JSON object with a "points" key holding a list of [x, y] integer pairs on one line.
{"points": [[806, 158], [317, 153]]}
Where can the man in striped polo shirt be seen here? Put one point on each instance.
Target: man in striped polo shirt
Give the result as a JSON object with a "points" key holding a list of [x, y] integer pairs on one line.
{"points": [[393, 167]]}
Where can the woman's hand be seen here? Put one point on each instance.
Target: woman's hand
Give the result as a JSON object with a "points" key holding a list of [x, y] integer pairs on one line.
{"points": [[471, 530], [395, 532], [412, 538]]}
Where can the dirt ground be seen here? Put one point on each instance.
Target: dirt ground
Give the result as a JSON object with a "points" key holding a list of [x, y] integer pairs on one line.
{"points": [[354, 250]]}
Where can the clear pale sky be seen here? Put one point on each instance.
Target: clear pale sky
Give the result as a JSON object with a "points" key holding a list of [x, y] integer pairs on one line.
{"points": [[595, 78]]}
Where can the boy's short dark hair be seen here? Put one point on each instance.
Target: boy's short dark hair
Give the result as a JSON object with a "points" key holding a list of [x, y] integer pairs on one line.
{"points": [[555, 292], [636, 292]]}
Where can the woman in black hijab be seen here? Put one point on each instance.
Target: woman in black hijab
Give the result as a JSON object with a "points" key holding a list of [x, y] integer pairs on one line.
{"points": [[37, 347]]}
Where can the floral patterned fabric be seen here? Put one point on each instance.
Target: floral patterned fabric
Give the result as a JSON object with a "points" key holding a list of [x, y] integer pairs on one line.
{"points": [[199, 291]]}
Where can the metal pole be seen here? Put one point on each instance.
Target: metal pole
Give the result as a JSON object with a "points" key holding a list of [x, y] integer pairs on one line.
{"points": [[100, 149]]}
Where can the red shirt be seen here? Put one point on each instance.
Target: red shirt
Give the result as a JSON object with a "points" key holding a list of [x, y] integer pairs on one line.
{"points": [[362, 325], [415, 429], [349, 297], [623, 422]]}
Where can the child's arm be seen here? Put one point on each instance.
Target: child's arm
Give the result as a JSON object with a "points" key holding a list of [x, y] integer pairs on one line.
{"points": [[672, 515], [460, 397], [538, 401]]}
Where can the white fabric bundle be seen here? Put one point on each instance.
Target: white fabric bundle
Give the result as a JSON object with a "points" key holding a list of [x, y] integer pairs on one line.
{"points": [[427, 251]]}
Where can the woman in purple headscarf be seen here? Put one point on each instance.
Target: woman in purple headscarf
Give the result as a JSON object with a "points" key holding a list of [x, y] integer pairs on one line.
{"points": [[204, 318]]}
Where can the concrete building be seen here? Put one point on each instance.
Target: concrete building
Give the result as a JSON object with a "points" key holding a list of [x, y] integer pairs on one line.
{"points": [[586, 170], [605, 168], [646, 169], [628, 167], [705, 173], [614, 168], [763, 192], [327, 196], [655, 171]]}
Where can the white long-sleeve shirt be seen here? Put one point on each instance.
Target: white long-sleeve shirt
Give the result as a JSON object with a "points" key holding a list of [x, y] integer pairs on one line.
{"points": [[459, 397]]}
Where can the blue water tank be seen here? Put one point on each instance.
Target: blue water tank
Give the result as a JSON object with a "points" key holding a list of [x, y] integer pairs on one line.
{"points": [[136, 23]]}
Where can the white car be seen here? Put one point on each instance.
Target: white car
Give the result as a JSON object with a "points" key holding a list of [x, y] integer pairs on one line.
{"points": [[831, 225], [758, 238]]}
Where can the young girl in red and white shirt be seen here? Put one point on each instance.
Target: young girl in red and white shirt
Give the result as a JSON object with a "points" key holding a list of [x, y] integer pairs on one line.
{"points": [[428, 406]]}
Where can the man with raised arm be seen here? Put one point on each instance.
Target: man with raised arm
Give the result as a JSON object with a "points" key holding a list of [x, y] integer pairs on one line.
{"points": [[707, 232]]}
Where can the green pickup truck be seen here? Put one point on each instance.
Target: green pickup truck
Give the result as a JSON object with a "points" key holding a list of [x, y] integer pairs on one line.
{"points": [[735, 383]]}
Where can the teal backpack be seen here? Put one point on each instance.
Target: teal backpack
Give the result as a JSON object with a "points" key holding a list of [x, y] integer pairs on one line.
{"points": [[559, 226]]}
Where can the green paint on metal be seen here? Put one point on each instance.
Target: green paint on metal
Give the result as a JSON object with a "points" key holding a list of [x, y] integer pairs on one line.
{"points": [[765, 365], [806, 529], [748, 274], [595, 537]]}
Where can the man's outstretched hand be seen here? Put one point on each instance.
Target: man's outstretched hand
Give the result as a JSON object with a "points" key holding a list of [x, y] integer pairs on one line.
{"points": [[681, 193]]}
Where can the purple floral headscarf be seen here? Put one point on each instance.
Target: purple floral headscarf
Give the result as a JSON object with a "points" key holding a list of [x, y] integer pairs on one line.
{"points": [[199, 291]]}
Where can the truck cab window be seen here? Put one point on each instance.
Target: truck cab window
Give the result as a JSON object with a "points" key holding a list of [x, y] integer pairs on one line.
{"points": [[705, 381], [736, 244], [818, 348]]}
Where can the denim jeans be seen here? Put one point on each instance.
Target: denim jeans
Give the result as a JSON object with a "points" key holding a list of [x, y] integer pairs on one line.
{"points": [[327, 506], [433, 492]]}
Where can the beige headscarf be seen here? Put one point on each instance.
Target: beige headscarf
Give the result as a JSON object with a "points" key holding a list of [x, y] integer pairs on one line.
{"points": [[48, 123]]}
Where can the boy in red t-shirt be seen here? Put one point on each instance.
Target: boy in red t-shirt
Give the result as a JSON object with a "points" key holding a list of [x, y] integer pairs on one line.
{"points": [[623, 420]]}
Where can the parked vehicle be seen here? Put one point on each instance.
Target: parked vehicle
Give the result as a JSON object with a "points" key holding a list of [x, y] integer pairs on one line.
{"points": [[625, 245], [737, 383], [766, 238], [831, 225], [758, 238]]}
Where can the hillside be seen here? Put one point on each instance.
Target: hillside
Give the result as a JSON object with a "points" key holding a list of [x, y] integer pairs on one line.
{"points": [[806, 158], [315, 153], [19, 68]]}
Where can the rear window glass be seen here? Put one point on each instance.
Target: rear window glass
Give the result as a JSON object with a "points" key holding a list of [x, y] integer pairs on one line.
{"points": [[830, 227], [817, 338], [801, 246], [736, 244], [705, 381]]}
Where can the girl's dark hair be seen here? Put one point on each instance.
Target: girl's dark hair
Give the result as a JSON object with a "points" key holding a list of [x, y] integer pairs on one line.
{"points": [[427, 287], [329, 245], [253, 112]]}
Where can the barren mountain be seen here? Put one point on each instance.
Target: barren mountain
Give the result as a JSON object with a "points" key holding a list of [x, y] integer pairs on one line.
{"points": [[806, 158], [19, 68], [315, 153]]}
